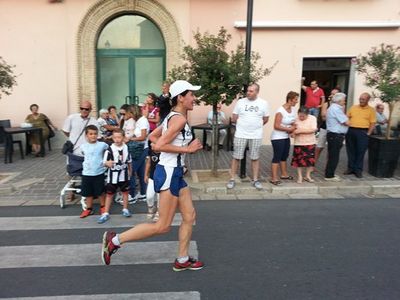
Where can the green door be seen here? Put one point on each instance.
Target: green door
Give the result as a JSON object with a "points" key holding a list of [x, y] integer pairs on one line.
{"points": [[130, 61]]}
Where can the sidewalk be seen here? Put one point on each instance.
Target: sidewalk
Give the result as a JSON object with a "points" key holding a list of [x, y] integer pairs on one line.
{"points": [[38, 181]]}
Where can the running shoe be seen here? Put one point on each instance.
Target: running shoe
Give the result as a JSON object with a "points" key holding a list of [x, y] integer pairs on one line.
{"points": [[192, 264], [334, 178], [132, 200], [86, 212], [108, 247], [103, 218], [126, 213]]}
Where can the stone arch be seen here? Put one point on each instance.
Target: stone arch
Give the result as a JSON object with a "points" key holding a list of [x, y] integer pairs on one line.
{"points": [[97, 16]]}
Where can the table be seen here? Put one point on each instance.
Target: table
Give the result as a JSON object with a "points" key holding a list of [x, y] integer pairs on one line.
{"points": [[207, 127], [16, 130]]}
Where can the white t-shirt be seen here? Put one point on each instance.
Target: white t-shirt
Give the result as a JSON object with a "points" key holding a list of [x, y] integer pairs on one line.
{"points": [[250, 113], [74, 125], [142, 123], [287, 120], [129, 127]]}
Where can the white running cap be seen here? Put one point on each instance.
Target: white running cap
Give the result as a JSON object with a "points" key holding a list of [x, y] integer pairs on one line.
{"points": [[180, 86]]}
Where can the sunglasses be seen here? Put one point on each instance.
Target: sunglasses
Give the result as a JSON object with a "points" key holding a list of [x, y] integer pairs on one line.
{"points": [[122, 114], [85, 109]]}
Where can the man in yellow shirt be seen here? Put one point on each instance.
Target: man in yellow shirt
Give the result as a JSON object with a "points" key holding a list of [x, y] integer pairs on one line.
{"points": [[362, 119]]}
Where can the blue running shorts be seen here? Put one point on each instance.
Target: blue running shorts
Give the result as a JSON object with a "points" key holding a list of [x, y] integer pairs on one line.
{"points": [[169, 178]]}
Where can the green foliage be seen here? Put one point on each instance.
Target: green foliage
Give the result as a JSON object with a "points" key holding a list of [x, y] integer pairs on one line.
{"points": [[7, 78], [381, 68], [221, 74]]}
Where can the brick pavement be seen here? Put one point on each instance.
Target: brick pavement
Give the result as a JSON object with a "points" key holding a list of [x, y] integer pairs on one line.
{"points": [[37, 181]]}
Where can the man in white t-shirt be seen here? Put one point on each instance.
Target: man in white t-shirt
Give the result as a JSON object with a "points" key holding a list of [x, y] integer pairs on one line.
{"points": [[74, 126], [250, 115]]}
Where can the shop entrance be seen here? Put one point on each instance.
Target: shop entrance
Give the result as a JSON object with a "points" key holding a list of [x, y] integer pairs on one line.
{"points": [[329, 72]]}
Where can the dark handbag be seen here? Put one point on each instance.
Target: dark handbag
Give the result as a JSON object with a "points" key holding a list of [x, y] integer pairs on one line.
{"points": [[68, 147], [135, 149]]}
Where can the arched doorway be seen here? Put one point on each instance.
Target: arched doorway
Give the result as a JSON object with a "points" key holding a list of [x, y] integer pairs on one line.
{"points": [[97, 17], [130, 60]]}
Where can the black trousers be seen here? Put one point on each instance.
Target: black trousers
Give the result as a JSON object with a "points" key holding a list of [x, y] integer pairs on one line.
{"points": [[335, 143], [356, 146]]}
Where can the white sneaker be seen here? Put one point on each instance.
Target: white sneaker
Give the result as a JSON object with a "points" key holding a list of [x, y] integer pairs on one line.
{"points": [[257, 184], [334, 178], [230, 184]]}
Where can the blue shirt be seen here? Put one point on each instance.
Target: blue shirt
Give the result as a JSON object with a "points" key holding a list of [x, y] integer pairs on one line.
{"points": [[335, 118], [93, 158]]}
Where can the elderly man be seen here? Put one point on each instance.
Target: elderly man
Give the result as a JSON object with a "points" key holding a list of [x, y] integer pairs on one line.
{"points": [[315, 97], [250, 115], [75, 124], [336, 126], [362, 119]]}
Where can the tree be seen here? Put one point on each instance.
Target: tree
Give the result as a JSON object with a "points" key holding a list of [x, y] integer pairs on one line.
{"points": [[7, 78], [221, 74], [381, 69]]}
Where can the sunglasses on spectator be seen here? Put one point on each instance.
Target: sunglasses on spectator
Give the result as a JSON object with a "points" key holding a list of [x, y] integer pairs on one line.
{"points": [[122, 114], [84, 108]]}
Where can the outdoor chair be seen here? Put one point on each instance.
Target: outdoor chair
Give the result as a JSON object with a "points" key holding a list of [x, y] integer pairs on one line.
{"points": [[7, 124]]}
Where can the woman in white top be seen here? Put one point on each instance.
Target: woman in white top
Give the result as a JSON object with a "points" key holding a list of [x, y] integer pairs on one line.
{"points": [[138, 149], [172, 140], [283, 126]]}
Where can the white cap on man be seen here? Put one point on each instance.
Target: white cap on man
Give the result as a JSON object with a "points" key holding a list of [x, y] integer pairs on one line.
{"points": [[180, 86]]}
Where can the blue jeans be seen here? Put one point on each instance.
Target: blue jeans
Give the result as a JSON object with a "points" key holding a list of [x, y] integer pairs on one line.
{"points": [[138, 167], [314, 111]]}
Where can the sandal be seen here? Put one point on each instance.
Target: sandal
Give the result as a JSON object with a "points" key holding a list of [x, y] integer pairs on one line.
{"points": [[310, 180], [287, 178], [276, 182]]}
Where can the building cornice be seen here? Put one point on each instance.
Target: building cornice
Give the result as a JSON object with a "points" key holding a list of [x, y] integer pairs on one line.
{"points": [[320, 24]]}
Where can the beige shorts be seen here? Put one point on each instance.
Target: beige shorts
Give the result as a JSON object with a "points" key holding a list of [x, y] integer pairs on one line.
{"points": [[322, 138]]}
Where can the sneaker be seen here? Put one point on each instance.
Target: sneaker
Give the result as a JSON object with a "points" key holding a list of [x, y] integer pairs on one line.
{"points": [[150, 212], [192, 264], [126, 213], [358, 174], [257, 184], [230, 184], [334, 178], [141, 197], [132, 200], [156, 217], [86, 212], [103, 218], [108, 247]]}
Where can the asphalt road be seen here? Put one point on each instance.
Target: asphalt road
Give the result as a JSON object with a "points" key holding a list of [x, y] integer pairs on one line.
{"points": [[277, 249]]}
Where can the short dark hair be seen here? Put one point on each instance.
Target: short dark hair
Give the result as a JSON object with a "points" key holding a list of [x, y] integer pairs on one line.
{"points": [[174, 101], [32, 106], [153, 97], [111, 107], [91, 127], [291, 95]]}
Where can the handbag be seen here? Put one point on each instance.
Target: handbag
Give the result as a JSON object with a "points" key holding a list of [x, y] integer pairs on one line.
{"points": [[68, 147], [135, 149], [51, 131]]}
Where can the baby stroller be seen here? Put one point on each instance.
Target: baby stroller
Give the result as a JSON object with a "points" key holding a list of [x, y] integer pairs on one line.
{"points": [[74, 170]]}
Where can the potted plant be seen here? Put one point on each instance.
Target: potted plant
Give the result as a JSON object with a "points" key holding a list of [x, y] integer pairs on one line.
{"points": [[381, 69]]}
